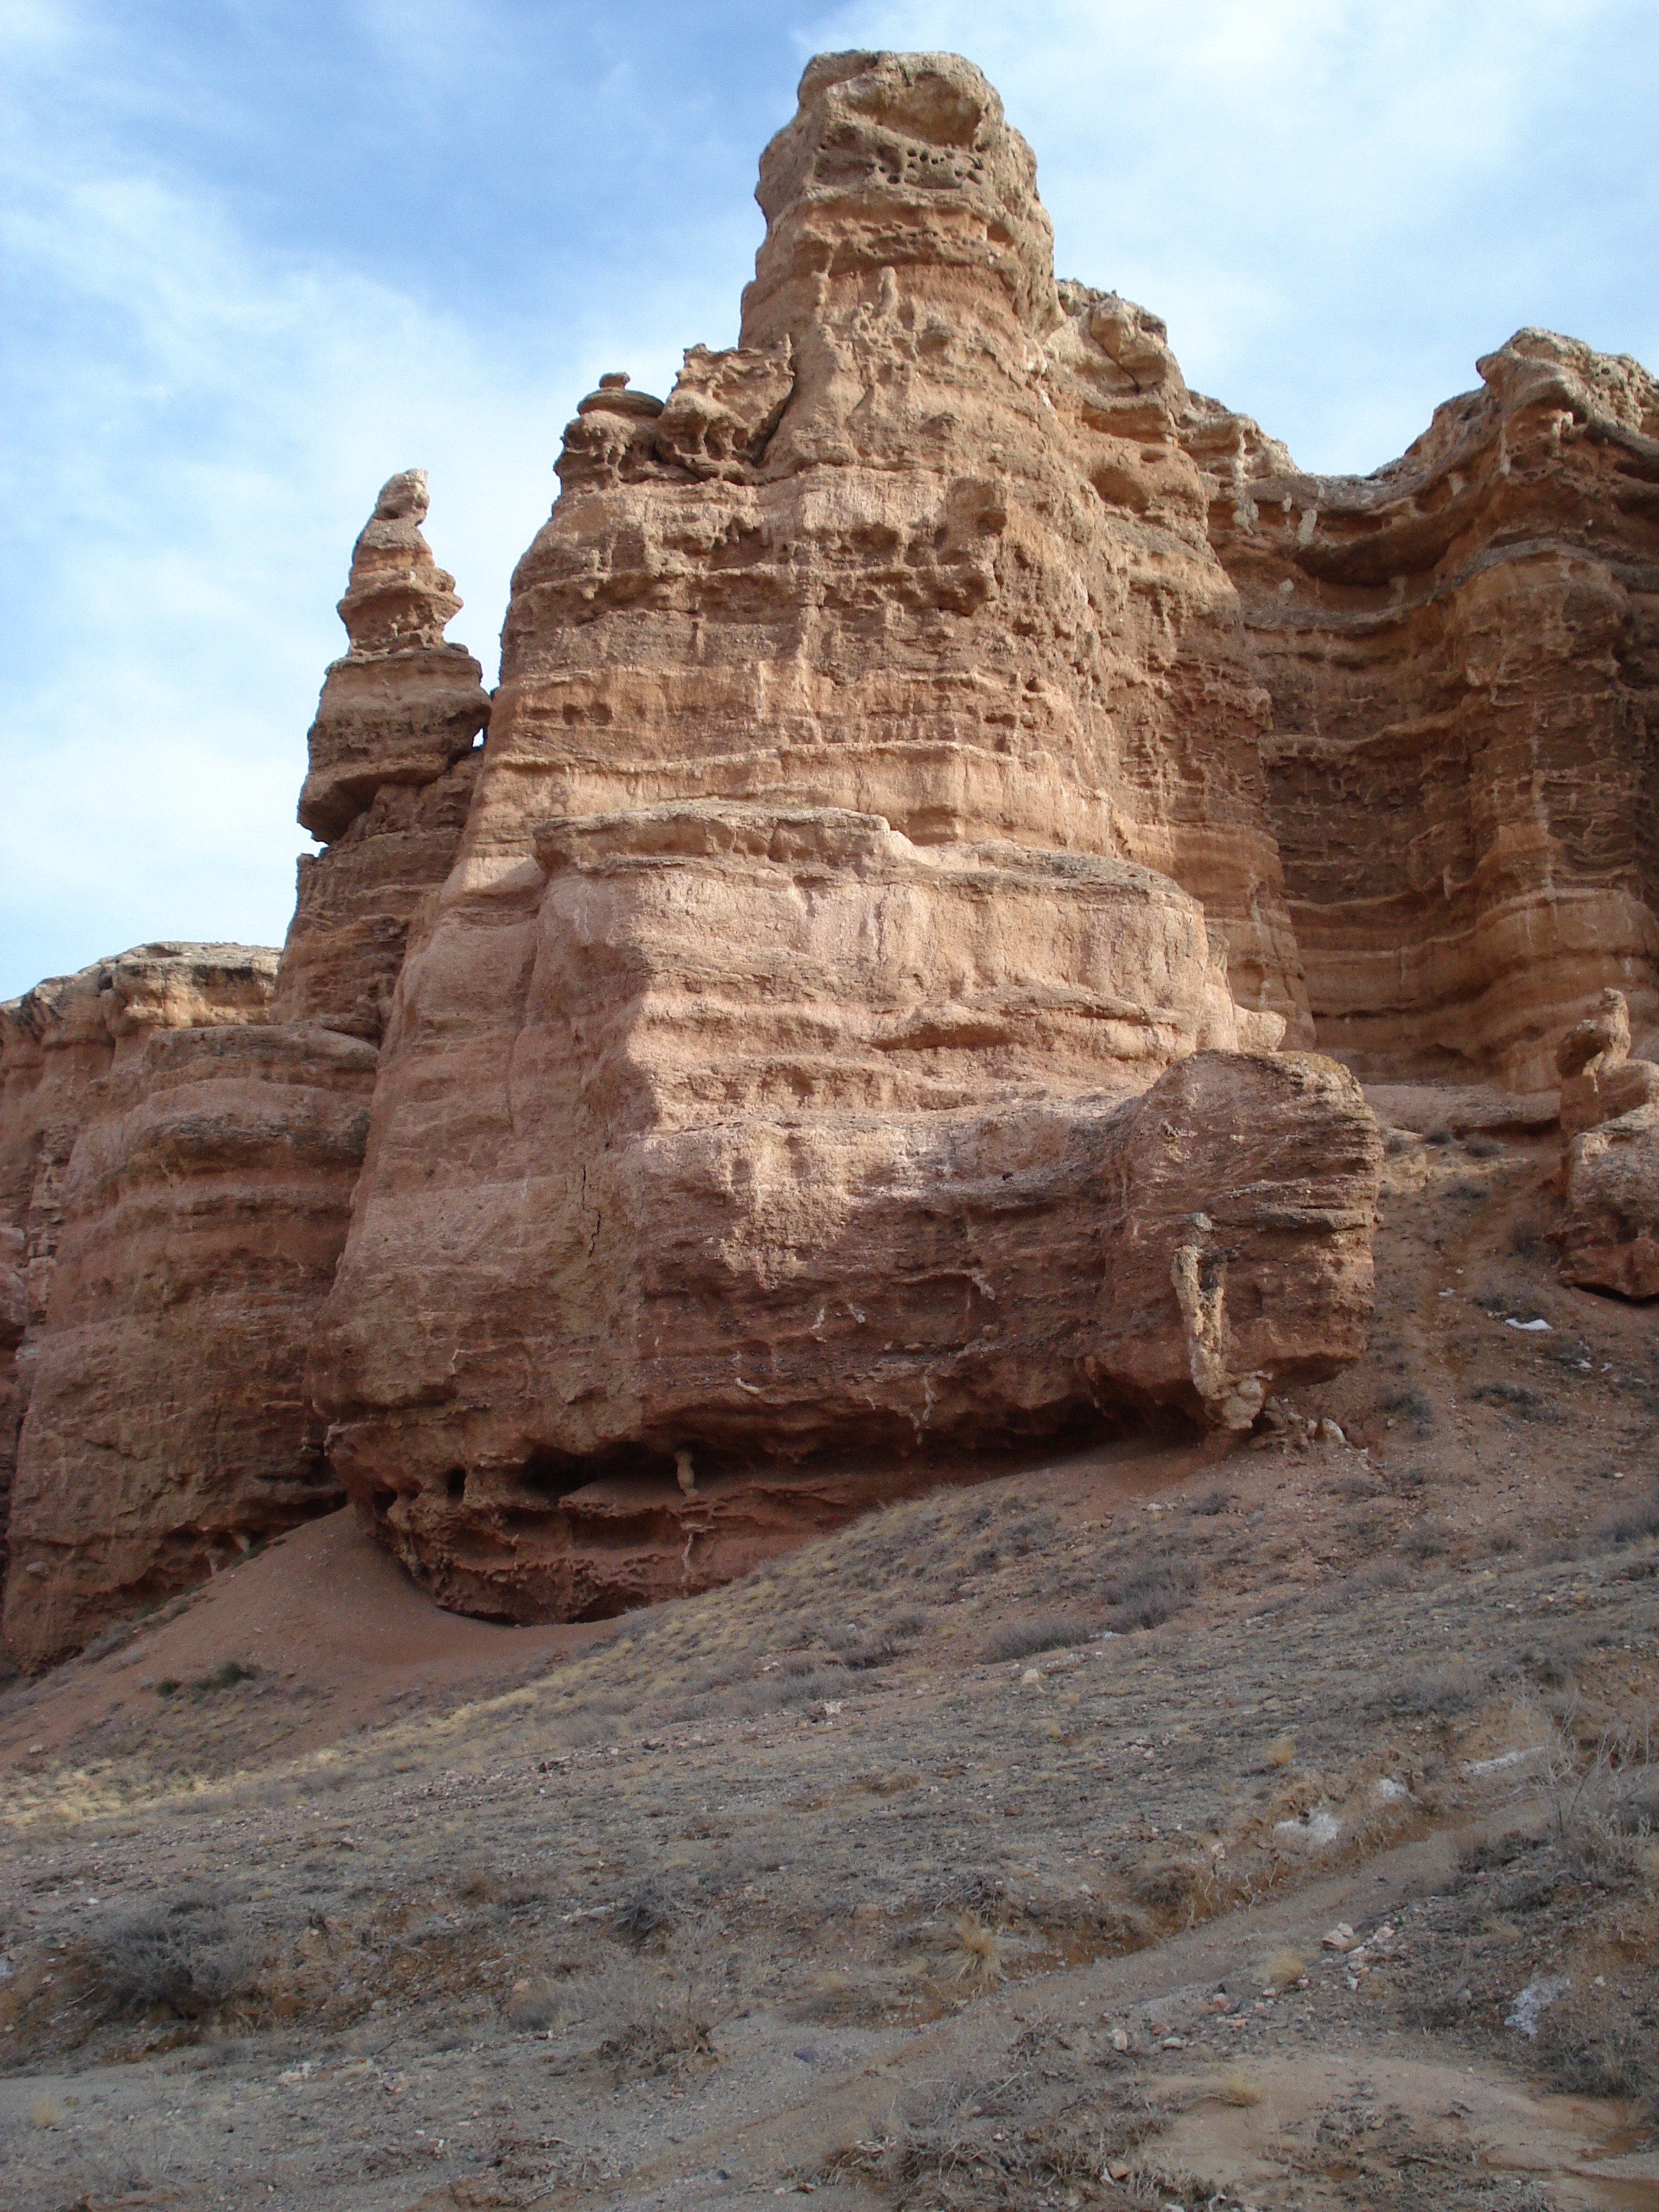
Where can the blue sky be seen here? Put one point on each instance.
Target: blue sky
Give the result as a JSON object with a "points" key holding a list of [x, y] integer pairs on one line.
{"points": [[256, 257]]}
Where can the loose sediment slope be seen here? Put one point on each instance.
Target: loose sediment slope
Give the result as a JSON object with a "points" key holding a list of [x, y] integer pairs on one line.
{"points": [[765, 1085]]}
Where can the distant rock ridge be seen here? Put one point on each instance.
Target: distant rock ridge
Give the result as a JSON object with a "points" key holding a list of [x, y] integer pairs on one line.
{"points": [[958, 811], [1462, 651]]}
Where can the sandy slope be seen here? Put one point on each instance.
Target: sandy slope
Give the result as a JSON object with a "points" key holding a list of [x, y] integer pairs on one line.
{"points": [[715, 1901]]}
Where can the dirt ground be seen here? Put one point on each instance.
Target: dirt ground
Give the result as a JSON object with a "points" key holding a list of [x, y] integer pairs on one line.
{"points": [[1156, 1825]]}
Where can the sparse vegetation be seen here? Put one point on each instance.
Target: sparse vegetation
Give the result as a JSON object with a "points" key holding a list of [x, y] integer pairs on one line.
{"points": [[1022, 1639]]}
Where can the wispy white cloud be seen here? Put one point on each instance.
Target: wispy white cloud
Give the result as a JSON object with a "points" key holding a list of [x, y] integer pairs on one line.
{"points": [[258, 259], [1335, 206]]}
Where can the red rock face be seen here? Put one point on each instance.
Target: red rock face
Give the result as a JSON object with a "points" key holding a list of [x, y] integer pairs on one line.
{"points": [[60, 1045], [391, 777], [762, 1085], [1463, 656], [165, 1430], [1612, 1240], [831, 1029]]}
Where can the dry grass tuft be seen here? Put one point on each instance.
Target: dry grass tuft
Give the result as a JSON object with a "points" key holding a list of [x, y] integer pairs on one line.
{"points": [[1282, 1966], [982, 1951], [1236, 2088]]}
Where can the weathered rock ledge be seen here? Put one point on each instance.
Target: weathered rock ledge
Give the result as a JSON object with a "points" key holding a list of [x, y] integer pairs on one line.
{"points": [[958, 813]]}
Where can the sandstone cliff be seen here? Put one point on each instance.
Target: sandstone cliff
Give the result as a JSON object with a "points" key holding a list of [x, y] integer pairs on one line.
{"points": [[58, 1043], [762, 1086], [1462, 651], [180, 1134], [202, 1212], [831, 1025]]}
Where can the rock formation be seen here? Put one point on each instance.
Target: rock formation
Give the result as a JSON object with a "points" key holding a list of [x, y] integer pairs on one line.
{"points": [[1599, 1079], [763, 1084], [1611, 1239], [203, 1213], [1463, 659], [58, 1044], [834, 1023], [180, 1135], [392, 772]]}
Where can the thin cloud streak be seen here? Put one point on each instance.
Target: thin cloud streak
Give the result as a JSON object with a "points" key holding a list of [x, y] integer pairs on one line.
{"points": [[258, 260]]}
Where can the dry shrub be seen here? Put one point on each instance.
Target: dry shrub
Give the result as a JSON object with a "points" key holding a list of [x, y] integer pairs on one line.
{"points": [[1282, 1966], [646, 1917], [981, 1950], [190, 1956], [1634, 1521], [1236, 2088], [1445, 1688], [1146, 1595], [1053, 1632]]}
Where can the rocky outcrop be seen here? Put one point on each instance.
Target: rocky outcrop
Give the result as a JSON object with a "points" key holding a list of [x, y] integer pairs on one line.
{"points": [[764, 1083], [59, 1045], [181, 1134], [848, 1292], [165, 1430], [1462, 652], [834, 1026], [1611, 1231], [1599, 1081], [393, 766]]}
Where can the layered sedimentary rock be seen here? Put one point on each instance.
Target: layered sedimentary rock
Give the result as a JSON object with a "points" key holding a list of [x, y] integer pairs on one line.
{"points": [[1462, 651], [180, 1135], [392, 771], [764, 1083], [1612, 1232], [202, 1216], [58, 1044]]}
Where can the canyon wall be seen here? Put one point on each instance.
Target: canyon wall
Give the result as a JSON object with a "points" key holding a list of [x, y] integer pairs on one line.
{"points": [[58, 1044], [762, 1086], [1462, 651], [857, 1008]]}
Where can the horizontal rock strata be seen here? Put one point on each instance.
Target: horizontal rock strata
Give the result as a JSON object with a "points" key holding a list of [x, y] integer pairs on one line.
{"points": [[759, 1086], [830, 1027], [726, 1298], [392, 772], [180, 1134], [202, 1214], [59, 1045], [1462, 652]]}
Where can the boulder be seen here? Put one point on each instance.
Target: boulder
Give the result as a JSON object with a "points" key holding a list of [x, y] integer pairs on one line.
{"points": [[1611, 1235]]}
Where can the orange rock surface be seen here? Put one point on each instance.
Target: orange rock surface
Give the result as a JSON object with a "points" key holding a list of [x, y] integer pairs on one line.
{"points": [[762, 1085], [1462, 651], [180, 1134], [858, 1007], [392, 772]]}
